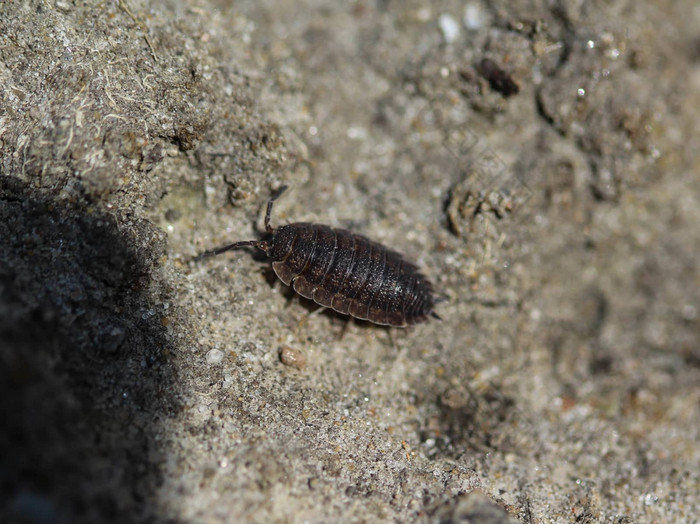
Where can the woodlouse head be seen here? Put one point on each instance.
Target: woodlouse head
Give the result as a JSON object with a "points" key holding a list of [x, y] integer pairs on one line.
{"points": [[281, 242]]}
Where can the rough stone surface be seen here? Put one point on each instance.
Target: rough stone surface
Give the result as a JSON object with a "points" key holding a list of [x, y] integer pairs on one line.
{"points": [[558, 214]]}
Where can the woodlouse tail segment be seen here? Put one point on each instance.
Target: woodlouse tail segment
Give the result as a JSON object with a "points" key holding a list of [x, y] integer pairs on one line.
{"points": [[260, 244]]}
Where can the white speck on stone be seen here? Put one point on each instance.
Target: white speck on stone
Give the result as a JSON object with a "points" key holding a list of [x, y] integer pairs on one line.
{"points": [[356, 132], [448, 27], [650, 499], [423, 14], [689, 312], [474, 16], [215, 356]]}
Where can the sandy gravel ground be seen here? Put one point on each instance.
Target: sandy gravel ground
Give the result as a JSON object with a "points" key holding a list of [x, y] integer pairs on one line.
{"points": [[538, 160]]}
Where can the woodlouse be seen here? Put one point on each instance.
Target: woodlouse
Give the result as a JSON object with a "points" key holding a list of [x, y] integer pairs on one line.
{"points": [[344, 271]]}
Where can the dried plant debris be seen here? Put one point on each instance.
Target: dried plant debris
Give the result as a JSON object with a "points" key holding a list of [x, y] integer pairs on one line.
{"points": [[498, 79]]}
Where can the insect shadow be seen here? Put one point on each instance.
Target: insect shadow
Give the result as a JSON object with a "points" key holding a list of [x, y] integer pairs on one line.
{"points": [[81, 423]]}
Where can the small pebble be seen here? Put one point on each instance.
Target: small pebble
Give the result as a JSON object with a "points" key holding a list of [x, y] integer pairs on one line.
{"points": [[474, 16], [449, 27], [215, 356], [292, 357]]}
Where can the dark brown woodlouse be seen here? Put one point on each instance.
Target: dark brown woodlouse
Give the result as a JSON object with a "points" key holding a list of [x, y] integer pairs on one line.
{"points": [[344, 271]]}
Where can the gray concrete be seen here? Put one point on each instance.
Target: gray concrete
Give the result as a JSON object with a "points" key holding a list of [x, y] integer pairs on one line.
{"points": [[560, 221]]}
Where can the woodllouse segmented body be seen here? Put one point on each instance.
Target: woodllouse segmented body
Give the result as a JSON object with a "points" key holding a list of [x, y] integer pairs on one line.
{"points": [[345, 271]]}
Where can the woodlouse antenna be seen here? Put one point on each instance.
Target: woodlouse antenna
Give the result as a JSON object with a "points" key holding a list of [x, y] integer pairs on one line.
{"points": [[243, 243], [260, 244], [268, 227]]}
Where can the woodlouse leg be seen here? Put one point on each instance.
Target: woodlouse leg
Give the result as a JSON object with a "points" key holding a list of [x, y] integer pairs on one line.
{"points": [[305, 318], [391, 340], [309, 314], [346, 324], [438, 300]]}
